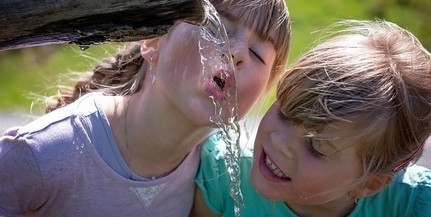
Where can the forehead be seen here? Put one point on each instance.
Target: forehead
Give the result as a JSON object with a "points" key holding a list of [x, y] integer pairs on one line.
{"points": [[263, 17]]}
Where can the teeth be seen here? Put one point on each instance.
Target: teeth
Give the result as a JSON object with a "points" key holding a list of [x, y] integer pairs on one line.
{"points": [[274, 168]]}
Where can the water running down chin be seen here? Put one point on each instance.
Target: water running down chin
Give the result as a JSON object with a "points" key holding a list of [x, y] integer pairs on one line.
{"points": [[218, 70]]}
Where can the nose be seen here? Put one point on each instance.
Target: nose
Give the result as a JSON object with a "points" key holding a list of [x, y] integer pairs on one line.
{"points": [[239, 50], [283, 144]]}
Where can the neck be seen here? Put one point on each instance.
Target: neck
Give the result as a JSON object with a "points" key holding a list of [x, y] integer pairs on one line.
{"points": [[157, 140]]}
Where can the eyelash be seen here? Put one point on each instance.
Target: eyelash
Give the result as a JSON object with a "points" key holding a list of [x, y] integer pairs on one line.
{"points": [[257, 56], [313, 151], [311, 148], [228, 32]]}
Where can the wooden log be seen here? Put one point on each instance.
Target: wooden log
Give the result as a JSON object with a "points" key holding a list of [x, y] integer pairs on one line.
{"points": [[27, 23]]}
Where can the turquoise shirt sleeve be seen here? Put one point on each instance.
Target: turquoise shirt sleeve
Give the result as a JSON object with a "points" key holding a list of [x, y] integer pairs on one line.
{"points": [[212, 178], [409, 194]]}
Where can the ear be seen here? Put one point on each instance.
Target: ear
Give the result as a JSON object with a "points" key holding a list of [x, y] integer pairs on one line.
{"points": [[150, 49], [375, 183]]}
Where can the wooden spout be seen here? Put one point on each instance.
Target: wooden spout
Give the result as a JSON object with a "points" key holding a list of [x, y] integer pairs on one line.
{"points": [[27, 23]]}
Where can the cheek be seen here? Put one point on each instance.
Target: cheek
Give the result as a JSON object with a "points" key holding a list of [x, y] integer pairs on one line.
{"points": [[249, 89], [184, 37], [318, 183]]}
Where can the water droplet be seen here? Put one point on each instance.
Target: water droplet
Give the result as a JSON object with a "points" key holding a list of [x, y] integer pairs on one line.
{"points": [[84, 47]]}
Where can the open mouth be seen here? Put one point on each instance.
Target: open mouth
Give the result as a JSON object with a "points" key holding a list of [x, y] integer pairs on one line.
{"points": [[275, 170], [221, 86], [219, 81], [224, 79]]}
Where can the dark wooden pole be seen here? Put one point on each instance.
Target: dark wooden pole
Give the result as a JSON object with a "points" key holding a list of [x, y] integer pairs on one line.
{"points": [[27, 23]]}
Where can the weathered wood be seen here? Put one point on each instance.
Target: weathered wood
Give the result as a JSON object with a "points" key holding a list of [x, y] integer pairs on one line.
{"points": [[26, 23]]}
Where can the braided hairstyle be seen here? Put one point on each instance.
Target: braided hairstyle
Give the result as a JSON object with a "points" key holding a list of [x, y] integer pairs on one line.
{"points": [[124, 73], [116, 75]]}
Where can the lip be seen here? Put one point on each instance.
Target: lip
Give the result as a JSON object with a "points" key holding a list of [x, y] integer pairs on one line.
{"points": [[221, 85], [266, 172]]}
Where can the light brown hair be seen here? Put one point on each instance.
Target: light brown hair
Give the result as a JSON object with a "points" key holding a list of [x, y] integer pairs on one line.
{"points": [[371, 73], [123, 73]]}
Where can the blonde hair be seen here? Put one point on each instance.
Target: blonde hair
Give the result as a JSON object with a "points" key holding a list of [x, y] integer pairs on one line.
{"points": [[271, 22], [123, 73], [371, 73]]}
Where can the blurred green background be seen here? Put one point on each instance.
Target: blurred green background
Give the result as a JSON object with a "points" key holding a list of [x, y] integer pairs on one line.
{"points": [[34, 72]]}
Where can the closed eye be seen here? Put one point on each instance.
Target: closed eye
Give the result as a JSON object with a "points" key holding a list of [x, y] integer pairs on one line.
{"points": [[257, 56], [313, 150]]}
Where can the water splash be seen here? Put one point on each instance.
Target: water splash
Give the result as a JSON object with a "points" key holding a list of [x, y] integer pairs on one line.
{"points": [[215, 57], [84, 47]]}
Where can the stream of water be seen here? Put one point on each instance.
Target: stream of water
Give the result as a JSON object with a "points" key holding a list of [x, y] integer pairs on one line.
{"points": [[215, 55]]}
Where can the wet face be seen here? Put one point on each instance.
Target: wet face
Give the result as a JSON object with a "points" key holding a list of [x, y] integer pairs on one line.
{"points": [[290, 166], [179, 76]]}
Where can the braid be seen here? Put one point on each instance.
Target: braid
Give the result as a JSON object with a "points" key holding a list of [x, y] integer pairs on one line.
{"points": [[119, 75]]}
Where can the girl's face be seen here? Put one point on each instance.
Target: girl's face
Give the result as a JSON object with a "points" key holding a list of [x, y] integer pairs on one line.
{"points": [[180, 79], [290, 166]]}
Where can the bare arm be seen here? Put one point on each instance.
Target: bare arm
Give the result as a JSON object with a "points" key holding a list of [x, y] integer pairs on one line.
{"points": [[199, 206]]}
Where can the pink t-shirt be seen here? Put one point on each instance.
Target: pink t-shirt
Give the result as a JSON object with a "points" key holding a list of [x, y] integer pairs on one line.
{"points": [[51, 168]]}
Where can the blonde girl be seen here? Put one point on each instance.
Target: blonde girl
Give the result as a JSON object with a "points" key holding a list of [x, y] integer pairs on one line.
{"points": [[351, 116], [126, 140]]}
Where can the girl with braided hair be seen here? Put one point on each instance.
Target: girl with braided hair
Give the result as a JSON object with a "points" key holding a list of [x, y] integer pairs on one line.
{"points": [[125, 141]]}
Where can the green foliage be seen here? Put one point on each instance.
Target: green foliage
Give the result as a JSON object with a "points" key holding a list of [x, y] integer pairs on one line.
{"points": [[308, 17], [31, 72]]}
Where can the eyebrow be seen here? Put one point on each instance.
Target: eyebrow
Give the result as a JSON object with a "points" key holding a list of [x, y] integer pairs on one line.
{"points": [[327, 141]]}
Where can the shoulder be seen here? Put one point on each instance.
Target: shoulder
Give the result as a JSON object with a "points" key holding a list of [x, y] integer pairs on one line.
{"points": [[414, 181], [417, 181], [50, 140], [213, 156], [213, 147], [415, 176], [61, 117], [214, 183], [212, 169], [61, 124], [409, 194], [20, 174], [211, 177]]}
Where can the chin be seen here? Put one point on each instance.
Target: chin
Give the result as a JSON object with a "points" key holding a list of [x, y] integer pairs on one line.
{"points": [[258, 182], [262, 185], [264, 190]]}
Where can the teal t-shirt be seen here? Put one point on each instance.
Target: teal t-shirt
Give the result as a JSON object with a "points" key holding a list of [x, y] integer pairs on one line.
{"points": [[409, 194]]}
